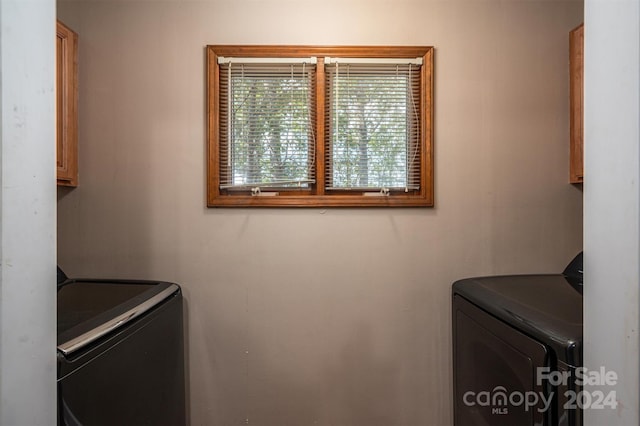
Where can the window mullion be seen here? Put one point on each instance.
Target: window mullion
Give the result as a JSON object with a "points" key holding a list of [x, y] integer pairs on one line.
{"points": [[320, 127]]}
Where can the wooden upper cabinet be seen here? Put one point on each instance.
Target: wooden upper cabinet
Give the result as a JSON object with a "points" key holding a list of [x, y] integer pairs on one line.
{"points": [[66, 105], [576, 132]]}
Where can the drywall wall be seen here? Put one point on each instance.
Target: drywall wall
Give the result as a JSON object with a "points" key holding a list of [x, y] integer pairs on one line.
{"points": [[612, 204], [27, 213], [321, 316]]}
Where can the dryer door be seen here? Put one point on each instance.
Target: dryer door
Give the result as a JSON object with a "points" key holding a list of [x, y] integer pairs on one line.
{"points": [[495, 371]]}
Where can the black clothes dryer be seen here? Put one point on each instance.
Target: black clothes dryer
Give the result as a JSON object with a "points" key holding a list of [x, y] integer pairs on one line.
{"points": [[511, 334]]}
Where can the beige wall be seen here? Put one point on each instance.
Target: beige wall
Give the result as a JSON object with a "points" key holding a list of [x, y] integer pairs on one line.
{"points": [[321, 316]]}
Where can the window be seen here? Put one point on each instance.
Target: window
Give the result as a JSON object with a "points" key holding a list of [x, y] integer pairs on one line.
{"points": [[316, 126]]}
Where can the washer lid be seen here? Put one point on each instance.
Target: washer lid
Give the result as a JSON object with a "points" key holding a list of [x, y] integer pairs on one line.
{"points": [[546, 307], [90, 309]]}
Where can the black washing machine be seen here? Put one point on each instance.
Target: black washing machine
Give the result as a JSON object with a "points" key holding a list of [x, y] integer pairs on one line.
{"points": [[120, 352], [517, 342]]}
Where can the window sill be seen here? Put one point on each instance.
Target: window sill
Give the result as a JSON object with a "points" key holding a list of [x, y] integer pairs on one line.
{"points": [[321, 201]]}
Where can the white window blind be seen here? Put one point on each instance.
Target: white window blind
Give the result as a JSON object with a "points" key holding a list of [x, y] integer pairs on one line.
{"points": [[373, 121], [267, 116]]}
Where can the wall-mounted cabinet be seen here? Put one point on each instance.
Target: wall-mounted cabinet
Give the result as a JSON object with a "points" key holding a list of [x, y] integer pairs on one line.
{"points": [[66, 106], [576, 62]]}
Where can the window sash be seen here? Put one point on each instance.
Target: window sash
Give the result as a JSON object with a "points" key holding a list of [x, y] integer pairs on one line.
{"points": [[373, 125], [267, 124]]}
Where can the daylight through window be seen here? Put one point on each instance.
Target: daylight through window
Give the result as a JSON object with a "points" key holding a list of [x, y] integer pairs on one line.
{"points": [[266, 123]]}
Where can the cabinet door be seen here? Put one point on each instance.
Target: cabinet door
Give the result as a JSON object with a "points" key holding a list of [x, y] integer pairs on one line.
{"points": [[66, 106], [576, 61]]}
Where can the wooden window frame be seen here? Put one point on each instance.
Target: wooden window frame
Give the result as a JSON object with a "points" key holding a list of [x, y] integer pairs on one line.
{"points": [[317, 196]]}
